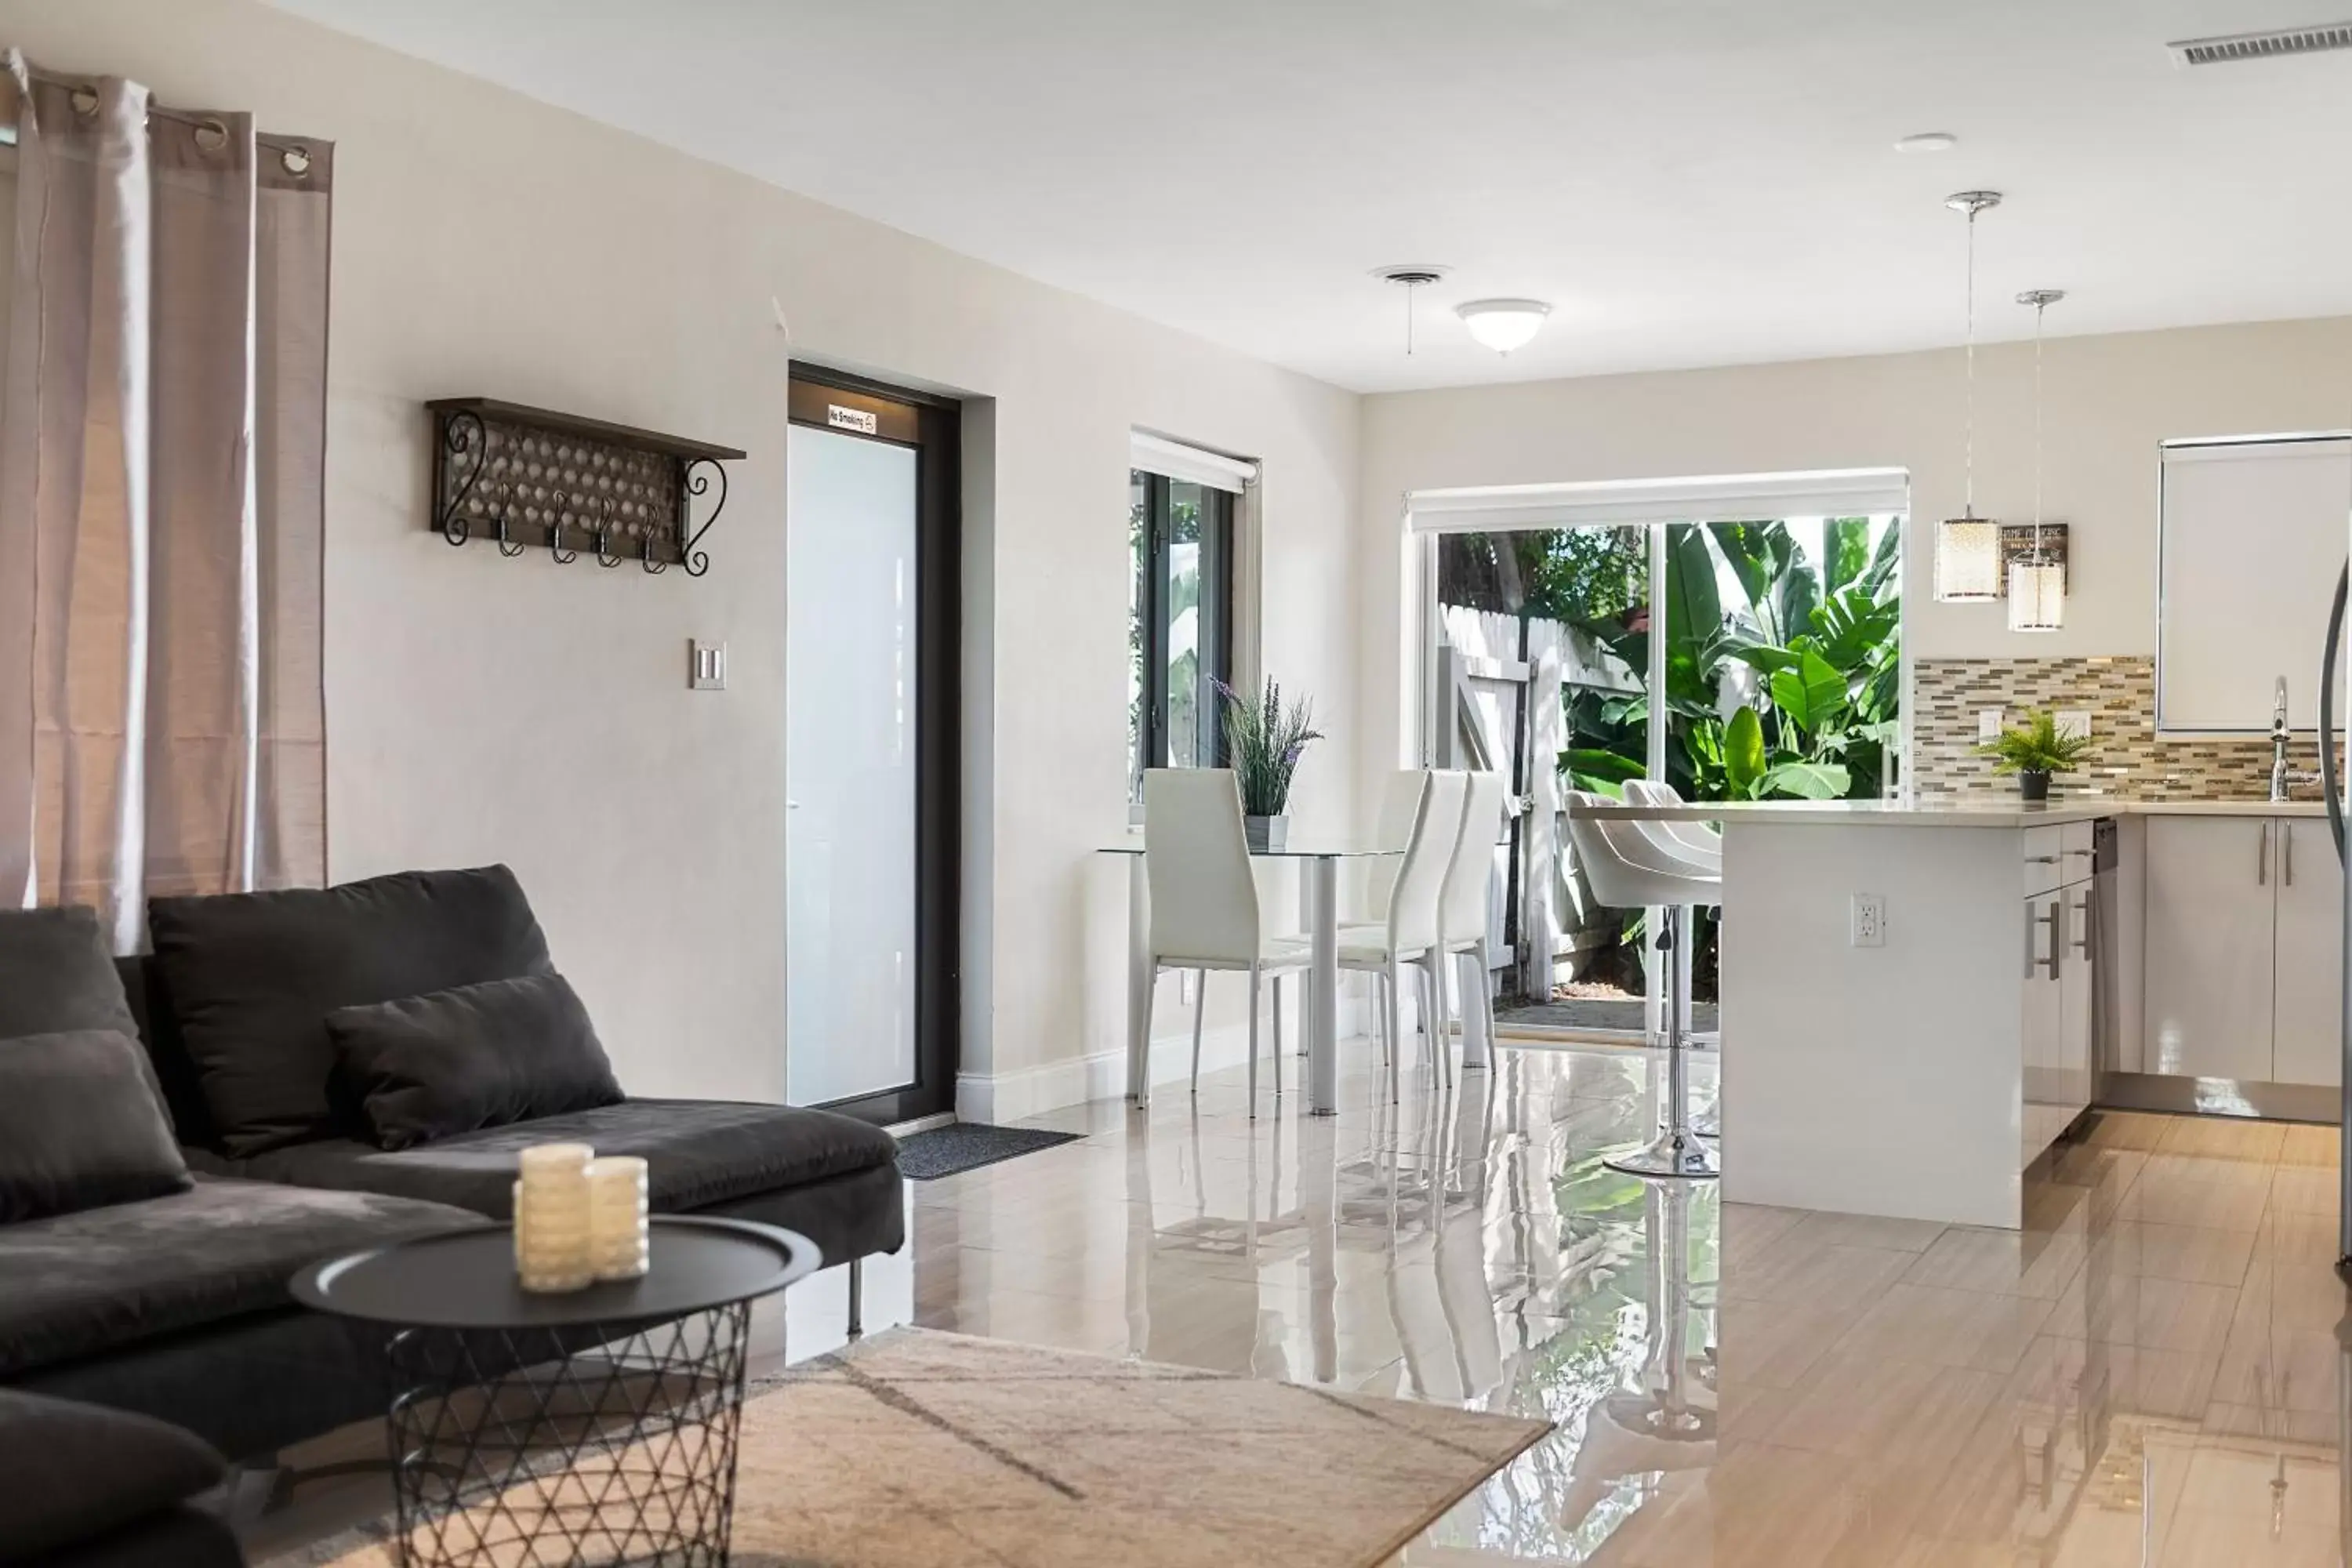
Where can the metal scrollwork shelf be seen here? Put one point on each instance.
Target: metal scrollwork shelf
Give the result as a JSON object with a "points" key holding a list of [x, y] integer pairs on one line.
{"points": [[526, 478]]}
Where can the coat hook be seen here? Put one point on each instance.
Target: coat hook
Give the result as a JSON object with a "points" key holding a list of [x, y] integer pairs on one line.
{"points": [[652, 568], [604, 538], [507, 546], [556, 535]]}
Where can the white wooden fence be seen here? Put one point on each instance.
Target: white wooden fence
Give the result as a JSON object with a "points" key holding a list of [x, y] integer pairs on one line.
{"points": [[1488, 684]]}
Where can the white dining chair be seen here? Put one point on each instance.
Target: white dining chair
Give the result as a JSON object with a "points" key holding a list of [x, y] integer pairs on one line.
{"points": [[1392, 829], [1464, 904], [1630, 870], [1410, 933], [1205, 913]]}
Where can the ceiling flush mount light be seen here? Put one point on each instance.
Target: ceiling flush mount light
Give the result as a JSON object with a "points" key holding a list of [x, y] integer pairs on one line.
{"points": [[1410, 276], [1928, 141], [1503, 324], [2037, 576], [1967, 547]]}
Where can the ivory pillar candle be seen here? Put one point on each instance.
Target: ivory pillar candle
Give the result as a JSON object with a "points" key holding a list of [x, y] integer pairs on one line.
{"points": [[616, 1217], [553, 1250]]}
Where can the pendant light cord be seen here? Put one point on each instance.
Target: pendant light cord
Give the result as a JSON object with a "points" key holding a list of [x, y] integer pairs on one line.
{"points": [[1969, 510], [2038, 306]]}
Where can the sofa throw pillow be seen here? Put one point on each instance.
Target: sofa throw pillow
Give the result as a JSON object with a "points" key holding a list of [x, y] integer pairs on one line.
{"points": [[472, 1056], [80, 1127], [78, 1471], [252, 978], [57, 973]]}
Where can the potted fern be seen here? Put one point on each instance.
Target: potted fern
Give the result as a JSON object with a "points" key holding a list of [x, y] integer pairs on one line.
{"points": [[2033, 751], [1263, 742]]}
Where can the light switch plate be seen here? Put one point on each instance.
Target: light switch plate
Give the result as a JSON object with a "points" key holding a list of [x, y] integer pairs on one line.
{"points": [[705, 666], [2074, 721], [1987, 724]]}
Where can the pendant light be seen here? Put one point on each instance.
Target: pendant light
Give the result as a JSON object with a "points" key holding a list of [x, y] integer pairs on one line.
{"points": [[1967, 547], [2037, 579], [1410, 276]]}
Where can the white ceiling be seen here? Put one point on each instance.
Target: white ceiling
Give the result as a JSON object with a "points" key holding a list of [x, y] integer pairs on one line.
{"points": [[1688, 182]]}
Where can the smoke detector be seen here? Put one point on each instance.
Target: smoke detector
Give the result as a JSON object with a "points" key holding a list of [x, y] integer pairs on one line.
{"points": [[2276, 43]]}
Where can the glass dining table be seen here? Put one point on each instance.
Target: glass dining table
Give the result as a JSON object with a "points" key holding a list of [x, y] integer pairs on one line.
{"points": [[1319, 859]]}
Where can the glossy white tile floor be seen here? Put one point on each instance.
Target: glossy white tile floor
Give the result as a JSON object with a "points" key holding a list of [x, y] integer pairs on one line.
{"points": [[2148, 1375]]}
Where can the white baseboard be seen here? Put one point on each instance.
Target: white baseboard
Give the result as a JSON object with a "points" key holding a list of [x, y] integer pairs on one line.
{"points": [[1001, 1098]]}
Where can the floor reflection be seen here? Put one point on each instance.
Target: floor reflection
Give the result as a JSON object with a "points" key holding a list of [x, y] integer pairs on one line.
{"points": [[2148, 1374]]}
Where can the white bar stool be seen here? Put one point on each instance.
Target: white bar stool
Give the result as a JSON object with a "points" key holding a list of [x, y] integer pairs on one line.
{"points": [[1696, 841], [1629, 870]]}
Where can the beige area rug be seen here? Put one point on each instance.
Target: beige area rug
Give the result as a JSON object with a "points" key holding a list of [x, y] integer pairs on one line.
{"points": [[917, 1449]]}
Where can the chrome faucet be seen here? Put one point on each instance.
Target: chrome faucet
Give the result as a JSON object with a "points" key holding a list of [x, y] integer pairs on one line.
{"points": [[2283, 778]]}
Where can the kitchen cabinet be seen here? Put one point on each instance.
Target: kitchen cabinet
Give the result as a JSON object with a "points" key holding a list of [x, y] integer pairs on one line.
{"points": [[2243, 966], [2041, 1024], [2308, 957], [2054, 1039]]}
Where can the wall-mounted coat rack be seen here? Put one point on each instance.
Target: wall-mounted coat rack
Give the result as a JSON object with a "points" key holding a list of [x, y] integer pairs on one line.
{"points": [[526, 478]]}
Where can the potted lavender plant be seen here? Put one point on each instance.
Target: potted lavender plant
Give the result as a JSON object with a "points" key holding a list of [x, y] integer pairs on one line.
{"points": [[1264, 741]]}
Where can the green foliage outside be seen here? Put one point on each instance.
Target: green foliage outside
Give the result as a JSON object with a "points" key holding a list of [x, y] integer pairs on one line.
{"points": [[1789, 690]]}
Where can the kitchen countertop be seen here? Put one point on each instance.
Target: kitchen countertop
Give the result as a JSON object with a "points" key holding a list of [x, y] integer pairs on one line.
{"points": [[1986, 810]]}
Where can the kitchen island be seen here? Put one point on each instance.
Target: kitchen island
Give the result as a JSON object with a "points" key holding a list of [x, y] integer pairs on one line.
{"points": [[1908, 994]]}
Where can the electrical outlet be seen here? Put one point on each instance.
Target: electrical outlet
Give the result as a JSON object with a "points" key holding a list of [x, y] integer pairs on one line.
{"points": [[1869, 920], [2074, 721], [1987, 724]]}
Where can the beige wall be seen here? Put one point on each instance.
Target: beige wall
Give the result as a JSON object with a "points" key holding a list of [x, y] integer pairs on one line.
{"points": [[2110, 402], [482, 709]]}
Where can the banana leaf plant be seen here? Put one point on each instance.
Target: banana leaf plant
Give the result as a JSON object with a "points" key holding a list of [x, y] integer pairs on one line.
{"points": [[1791, 690]]}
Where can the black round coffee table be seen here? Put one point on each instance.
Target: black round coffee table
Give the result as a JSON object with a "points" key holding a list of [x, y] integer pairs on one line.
{"points": [[594, 1427]]}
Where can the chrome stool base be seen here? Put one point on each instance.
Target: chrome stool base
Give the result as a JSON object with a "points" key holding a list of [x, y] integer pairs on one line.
{"points": [[1676, 1155]]}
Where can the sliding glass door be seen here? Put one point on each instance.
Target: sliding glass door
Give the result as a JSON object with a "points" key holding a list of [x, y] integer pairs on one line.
{"points": [[1767, 665]]}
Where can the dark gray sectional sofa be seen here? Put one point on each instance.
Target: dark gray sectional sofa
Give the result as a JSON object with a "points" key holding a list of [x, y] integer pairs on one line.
{"points": [[174, 1306]]}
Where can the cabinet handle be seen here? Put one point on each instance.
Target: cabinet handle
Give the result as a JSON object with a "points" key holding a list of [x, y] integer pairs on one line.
{"points": [[2286, 853], [2036, 917], [2083, 942], [2262, 859], [2041, 859]]}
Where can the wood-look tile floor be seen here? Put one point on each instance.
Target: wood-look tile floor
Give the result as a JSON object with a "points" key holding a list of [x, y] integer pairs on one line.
{"points": [[2148, 1374]]}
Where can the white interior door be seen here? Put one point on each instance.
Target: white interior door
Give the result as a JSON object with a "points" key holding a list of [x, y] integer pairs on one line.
{"points": [[849, 767]]}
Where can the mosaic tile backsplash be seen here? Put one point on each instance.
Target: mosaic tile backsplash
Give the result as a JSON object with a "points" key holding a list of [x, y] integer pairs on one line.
{"points": [[2126, 757]]}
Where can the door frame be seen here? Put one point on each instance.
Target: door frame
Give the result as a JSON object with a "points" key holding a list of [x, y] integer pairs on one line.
{"points": [[932, 426]]}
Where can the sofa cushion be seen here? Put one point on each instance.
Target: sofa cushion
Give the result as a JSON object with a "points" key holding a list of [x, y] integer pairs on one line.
{"points": [[56, 972], [82, 1284], [696, 1152], [78, 1472], [252, 978], [80, 1126], [474, 1057], [188, 1536]]}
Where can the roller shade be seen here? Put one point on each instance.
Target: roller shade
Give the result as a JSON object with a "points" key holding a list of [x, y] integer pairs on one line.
{"points": [[2253, 536], [1823, 492], [1159, 455]]}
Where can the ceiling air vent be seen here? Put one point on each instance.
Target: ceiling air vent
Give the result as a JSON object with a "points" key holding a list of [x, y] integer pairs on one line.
{"points": [[2271, 44]]}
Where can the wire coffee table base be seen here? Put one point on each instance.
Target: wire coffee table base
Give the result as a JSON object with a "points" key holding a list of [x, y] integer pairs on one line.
{"points": [[596, 1444]]}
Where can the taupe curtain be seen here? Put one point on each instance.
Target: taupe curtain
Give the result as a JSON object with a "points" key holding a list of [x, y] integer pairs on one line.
{"points": [[163, 426]]}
